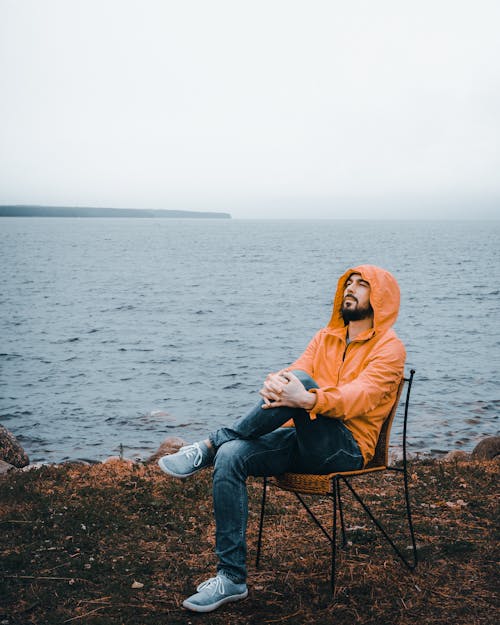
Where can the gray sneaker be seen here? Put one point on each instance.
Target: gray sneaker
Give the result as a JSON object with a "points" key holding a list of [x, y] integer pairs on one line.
{"points": [[215, 592], [187, 461]]}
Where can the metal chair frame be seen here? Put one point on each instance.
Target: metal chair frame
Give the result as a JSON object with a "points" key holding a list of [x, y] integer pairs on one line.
{"points": [[329, 486]]}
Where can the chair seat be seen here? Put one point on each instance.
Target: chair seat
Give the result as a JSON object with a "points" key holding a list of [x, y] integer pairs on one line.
{"points": [[314, 484]]}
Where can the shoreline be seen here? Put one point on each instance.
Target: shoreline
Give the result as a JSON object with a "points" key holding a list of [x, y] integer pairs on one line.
{"points": [[34, 210], [488, 448], [394, 459]]}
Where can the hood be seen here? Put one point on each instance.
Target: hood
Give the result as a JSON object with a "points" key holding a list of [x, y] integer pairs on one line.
{"points": [[384, 298]]}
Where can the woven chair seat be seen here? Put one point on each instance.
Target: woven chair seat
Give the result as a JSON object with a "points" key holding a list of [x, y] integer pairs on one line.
{"points": [[315, 484]]}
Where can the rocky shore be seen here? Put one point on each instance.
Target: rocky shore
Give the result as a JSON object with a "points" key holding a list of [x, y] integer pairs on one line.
{"points": [[120, 543], [13, 456]]}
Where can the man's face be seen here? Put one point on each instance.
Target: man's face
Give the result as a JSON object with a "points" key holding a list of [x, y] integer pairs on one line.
{"points": [[356, 303]]}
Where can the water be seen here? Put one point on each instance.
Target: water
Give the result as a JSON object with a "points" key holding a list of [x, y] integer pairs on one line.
{"points": [[125, 331]]}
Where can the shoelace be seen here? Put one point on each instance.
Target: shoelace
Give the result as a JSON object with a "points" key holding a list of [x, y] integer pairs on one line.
{"points": [[194, 450], [214, 585]]}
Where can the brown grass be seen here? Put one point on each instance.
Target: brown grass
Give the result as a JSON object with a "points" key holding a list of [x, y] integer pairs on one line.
{"points": [[74, 539]]}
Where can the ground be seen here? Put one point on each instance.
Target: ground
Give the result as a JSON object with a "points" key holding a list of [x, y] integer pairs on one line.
{"points": [[122, 543]]}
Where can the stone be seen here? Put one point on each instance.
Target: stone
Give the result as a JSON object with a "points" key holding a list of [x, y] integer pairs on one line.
{"points": [[169, 446], [35, 466], [117, 459], [77, 462], [10, 450], [487, 449], [455, 455], [137, 585], [5, 467]]}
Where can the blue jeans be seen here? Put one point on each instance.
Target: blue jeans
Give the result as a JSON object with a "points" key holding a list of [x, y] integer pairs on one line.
{"points": [[257, 445]]}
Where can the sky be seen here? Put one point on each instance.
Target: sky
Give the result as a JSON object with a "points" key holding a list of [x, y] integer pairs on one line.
{"points": [[264, 109]]}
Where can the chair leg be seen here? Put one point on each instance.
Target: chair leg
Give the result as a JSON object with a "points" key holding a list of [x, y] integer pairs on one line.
{"points": [[335, 493], [313, 516], [405, 474], [376, 522], [341, 511], [408, 515], [261, 524]]}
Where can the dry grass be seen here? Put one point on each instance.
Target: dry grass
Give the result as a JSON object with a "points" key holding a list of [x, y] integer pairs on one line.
{"points": [[74, 539]]}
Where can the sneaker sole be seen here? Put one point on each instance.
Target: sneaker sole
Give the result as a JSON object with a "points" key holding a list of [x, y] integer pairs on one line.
{"points": [[213, 606], [173, 473]]}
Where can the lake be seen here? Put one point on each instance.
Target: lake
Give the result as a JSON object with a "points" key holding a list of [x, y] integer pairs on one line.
{"points": [[120, 332]]}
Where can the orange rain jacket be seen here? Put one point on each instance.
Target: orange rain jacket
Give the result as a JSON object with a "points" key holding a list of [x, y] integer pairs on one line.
{"points": [[358, 382]]}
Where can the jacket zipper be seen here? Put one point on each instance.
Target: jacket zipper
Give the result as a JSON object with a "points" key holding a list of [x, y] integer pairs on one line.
{"points": [[345, 351], [343, 359]]}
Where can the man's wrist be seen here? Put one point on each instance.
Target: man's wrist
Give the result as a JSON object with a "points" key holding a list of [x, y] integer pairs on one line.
{"points": [[309, 400]]}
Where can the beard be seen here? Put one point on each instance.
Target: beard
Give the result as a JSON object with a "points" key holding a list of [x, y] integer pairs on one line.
{"points": [[356, 314]]}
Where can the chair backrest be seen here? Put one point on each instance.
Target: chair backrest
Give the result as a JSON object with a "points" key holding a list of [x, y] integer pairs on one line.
{"points": [[381, 455]]}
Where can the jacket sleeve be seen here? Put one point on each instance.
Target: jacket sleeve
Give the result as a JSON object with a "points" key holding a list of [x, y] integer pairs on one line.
{"points": [[306, 361], [376, 382]]}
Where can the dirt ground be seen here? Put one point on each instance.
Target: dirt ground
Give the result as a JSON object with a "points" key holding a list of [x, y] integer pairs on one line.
{"points": [[122, 543]]}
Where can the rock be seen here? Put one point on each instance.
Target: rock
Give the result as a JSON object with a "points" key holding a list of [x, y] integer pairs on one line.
{"points": [[77, 462], [5, 467], [10, 450], [487, 449], [454, 455], [117, 459], [169, 446], [35, 466], [137, 585]]}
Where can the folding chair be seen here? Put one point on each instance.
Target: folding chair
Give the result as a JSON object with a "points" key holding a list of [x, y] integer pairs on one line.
{"points": [[329, 485]]}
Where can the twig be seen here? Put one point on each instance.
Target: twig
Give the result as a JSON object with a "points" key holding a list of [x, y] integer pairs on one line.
{"points": [[30, 607], [57, 567], [74, 618], [96, 600], [68, 579], [277, 620], [442, 594]]}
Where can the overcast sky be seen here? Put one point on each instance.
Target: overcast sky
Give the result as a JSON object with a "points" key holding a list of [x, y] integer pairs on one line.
{"points": [[259, 108]]}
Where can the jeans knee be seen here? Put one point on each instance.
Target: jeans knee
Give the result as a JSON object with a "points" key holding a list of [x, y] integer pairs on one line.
{"points": [[305, 378], [229, 456]]}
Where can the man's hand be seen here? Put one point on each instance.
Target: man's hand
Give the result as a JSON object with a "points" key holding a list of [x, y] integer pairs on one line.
{"points": [[285, 389], [273, 387]]}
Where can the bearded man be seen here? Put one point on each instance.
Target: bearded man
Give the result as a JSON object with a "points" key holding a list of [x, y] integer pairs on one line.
{"points": [[321, 414]]}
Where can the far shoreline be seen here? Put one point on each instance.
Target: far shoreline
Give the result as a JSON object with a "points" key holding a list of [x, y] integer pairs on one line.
{"points": [[87, 211]]}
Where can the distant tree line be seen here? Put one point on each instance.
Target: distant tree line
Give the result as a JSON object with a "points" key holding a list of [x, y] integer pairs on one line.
{"points": [[63, 211]]}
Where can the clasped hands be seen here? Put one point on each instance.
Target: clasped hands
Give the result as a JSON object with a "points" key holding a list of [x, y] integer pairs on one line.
{"points": [[283, 388]]}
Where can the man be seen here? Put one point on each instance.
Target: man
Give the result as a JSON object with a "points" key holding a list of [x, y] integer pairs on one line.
{"points": [[336, 395]]}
